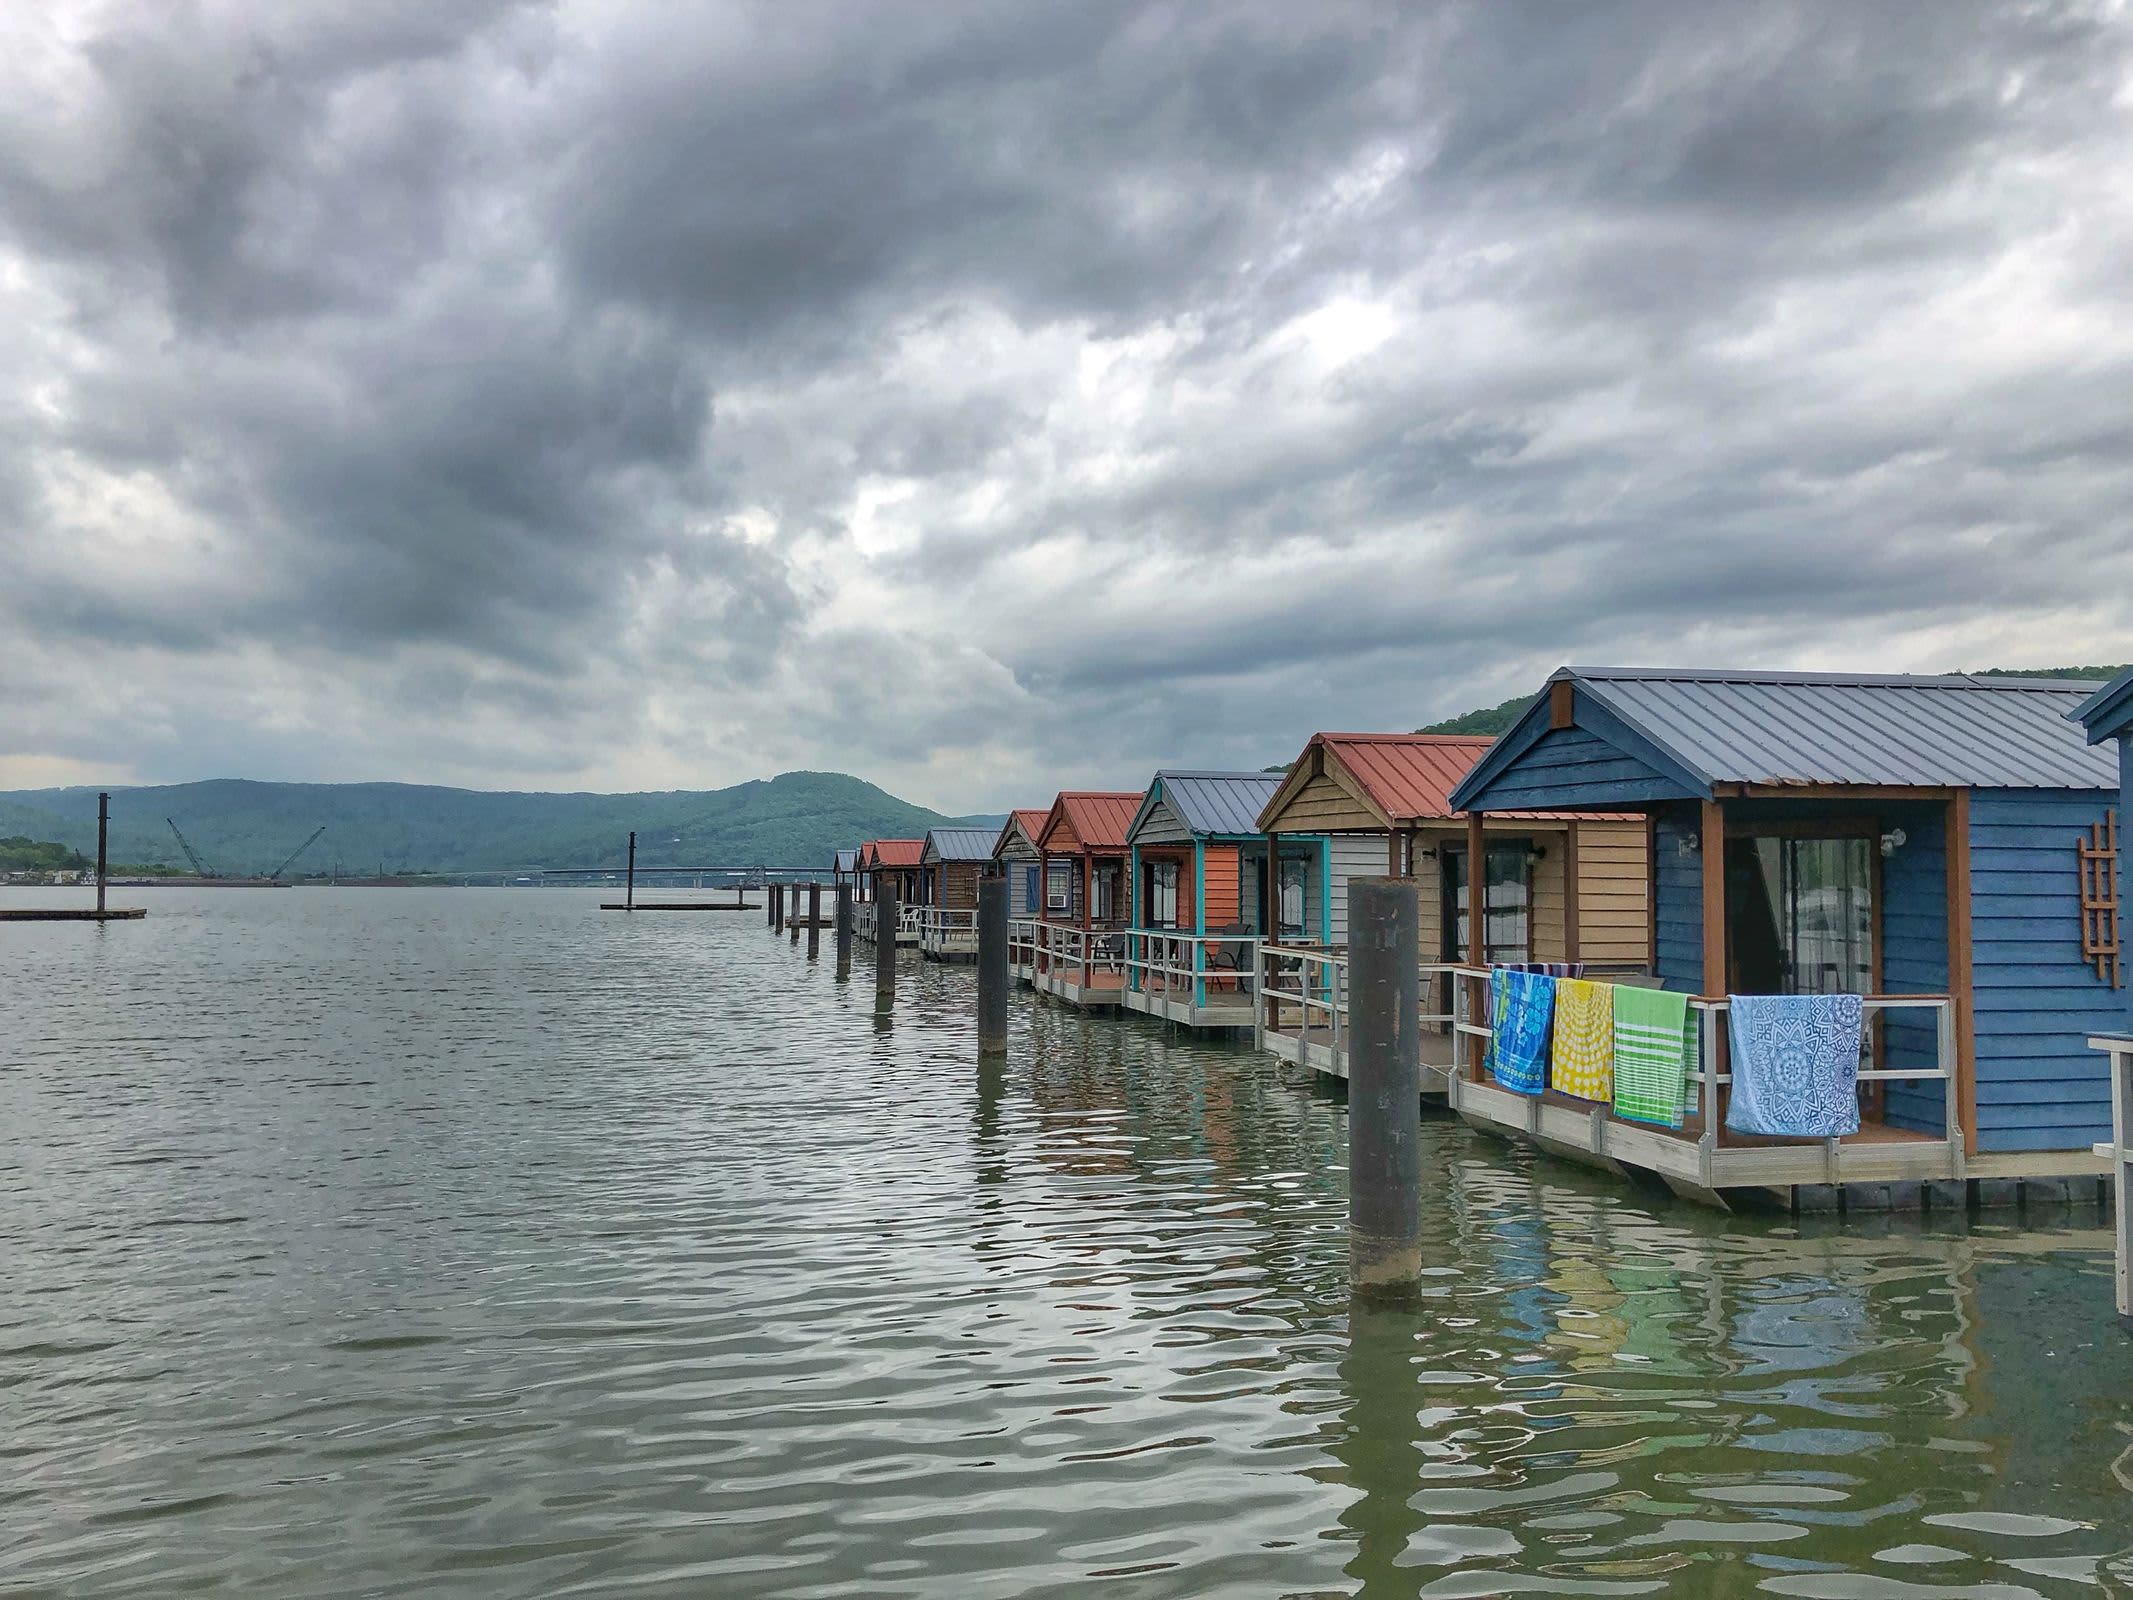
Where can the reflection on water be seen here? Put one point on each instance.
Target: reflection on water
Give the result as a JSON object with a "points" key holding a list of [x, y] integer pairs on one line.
{"points": [[403, 1242]]}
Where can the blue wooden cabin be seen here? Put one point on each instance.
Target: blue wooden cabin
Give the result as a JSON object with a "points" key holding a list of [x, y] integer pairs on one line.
{"points": [[1912, 839]]}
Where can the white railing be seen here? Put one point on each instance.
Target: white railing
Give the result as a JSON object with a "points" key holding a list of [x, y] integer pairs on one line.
{"points": [[1160, 961], [947, 930], [2120, 1154], [1022, 943], [1080, 956], [1710, 1074], [863, 920], [1313, 982]]}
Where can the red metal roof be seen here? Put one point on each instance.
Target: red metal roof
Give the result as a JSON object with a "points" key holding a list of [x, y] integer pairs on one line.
{"points": [[1098, 819], [898, 852], [1410, 776], [1031, 822]]}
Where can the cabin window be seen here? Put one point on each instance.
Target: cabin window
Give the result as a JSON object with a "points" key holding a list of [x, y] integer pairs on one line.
{"points": [[1105, 902], [1800, 915], [1059, 886], [1292, 894], [1507, 903], [1161, 895]]}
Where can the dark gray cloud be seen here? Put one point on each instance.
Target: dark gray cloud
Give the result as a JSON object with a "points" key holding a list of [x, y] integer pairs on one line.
{"points": [[987, 398]]}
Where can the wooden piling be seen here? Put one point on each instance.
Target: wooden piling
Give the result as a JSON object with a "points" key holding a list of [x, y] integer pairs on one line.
{"points": [[629, 881], [1384, 1088], [103, 848], [885, 947], [814, 920], [844, 929], [992, 964]]}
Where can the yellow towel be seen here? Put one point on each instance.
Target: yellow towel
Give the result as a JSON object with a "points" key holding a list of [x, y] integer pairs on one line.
{"points": [[1584, 1044]]}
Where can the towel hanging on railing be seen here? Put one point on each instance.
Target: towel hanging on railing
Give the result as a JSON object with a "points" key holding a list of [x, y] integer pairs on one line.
{"points": [[1795, 1064], [1654, 1049], [1583, 1046], [1521, 1010]]}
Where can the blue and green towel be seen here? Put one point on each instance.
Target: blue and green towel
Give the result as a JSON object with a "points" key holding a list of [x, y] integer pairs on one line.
{"points": [[1521, 1016], [1655, 1051]]}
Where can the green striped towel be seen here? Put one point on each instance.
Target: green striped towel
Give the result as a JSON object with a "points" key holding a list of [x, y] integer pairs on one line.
{"points": [[1654, 1049]]}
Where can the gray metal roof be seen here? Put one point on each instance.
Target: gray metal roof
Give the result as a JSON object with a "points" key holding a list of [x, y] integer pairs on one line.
{"points": [[1218, 802], [961, 844], [1821, 727]]}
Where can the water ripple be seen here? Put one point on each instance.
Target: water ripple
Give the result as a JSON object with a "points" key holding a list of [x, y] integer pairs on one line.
{"points": [[406, 1242]]}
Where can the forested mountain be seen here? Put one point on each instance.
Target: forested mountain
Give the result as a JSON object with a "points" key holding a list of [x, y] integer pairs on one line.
{"points": [[243, 827]]}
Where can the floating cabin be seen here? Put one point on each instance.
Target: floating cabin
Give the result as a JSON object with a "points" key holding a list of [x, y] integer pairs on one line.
{"points": [[1561, 886], [1198, 869], [1080, 953], [896, 864], [950, 865], [1918, 841], [1016, 851]]}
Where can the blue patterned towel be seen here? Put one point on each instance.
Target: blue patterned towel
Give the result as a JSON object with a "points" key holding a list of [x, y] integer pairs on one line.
{"points": [[1795, 1064], [1521, 1015]]}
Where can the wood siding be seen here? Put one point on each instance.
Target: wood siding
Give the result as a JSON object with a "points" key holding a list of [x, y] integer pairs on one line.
{"points": [[1223, 902], [1680, 908], [2039, 1086], [1914, 960], [1348, 855], [1323, 806], [1614, 895], [958, 884]]}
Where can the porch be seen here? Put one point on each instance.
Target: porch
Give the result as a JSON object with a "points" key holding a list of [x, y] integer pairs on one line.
{"points": [[1703, 1158], [1200, 980], [946, 933], [1301, 1011], [1085, 967]]}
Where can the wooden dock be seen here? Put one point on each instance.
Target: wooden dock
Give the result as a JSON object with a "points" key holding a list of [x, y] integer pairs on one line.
{"points": [[682, 905], [71, 914]]}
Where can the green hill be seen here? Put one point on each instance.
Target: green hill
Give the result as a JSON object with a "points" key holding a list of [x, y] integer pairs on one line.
{"points": [[241, 827]]}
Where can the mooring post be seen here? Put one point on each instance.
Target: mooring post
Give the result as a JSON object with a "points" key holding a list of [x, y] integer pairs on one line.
{"points": [[103, 848], [844, 929], [1384, 1087], [992, 964], [814, 920], [629, 881], [885, 948], [794, 919]]}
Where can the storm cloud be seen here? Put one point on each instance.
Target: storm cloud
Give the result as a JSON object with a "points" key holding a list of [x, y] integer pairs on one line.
{"points": [[987, 398]]}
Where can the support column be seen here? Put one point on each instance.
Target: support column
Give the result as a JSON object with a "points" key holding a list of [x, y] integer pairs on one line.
{"points": [[814, 920], [844, 930], [103, 849], [1384, 1087], [885, 949], [992, 965], [629, 880]]}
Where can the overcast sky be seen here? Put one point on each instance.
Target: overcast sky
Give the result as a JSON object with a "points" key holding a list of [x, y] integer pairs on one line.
{"points": [[988, 398]]}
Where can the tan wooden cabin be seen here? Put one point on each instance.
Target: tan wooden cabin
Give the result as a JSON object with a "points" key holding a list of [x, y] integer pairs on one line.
{"points": [[1562, 886]]}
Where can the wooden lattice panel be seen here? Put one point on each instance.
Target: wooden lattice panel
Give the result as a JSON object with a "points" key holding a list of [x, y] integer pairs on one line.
{"points": [[2100, 946]]}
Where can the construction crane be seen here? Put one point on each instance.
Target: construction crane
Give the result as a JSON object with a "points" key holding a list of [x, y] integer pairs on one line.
{"points": [[293, 854], [192, 855]]}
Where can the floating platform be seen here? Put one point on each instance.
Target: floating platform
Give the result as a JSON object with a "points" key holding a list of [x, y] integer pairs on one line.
{"points": [[681, 905], [71, 914]]}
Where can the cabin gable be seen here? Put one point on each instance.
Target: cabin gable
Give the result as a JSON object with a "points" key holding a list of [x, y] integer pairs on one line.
{"points": [[1159, 823]]}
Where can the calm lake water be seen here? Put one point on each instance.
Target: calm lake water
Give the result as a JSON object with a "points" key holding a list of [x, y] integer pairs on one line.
{"points": [[475, 1242]]}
